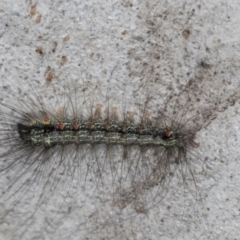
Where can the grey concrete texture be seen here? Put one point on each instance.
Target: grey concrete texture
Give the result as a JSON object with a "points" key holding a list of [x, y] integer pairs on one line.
{"points": [[183, 55]]}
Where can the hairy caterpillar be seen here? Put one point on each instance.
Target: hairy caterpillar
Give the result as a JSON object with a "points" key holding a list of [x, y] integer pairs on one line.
{"points": [[39, 145], [161, 57], [42, 157]]}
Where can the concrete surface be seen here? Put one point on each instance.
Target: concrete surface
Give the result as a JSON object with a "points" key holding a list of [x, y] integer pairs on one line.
{"points": [[184, 54]]}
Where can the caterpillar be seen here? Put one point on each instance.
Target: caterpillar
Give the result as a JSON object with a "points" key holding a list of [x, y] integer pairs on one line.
{"points": [[137, 159], [44, 145], [190, 79]]}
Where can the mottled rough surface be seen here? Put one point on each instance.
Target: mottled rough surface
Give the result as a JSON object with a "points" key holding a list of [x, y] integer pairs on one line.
{"points": [[181, 57]]}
